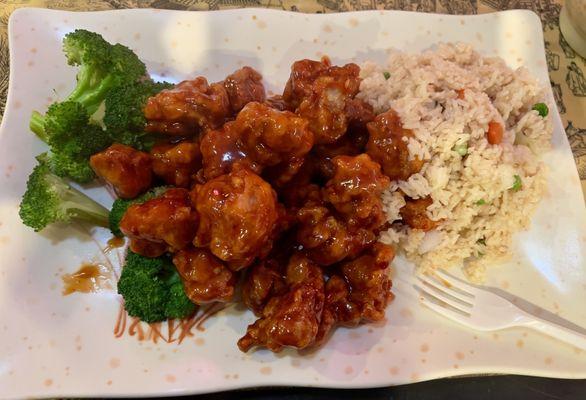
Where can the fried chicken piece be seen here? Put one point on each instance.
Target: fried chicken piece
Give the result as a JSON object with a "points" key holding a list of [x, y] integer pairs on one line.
{"points": [[296, 196], [387, 145], [205, 278], [168, 219], [327, 239], [263, 280], [359, 113], [414, 213], [176, 164], [270, 136], [127, 170], [338, 309], [309, 76], [281, 174], [324, 95], [259, 137], [369, 281], [352, 143], [189, 107], [147, 248], [355, 190], [277, 102], [325, 113], [238, 217], [291, 319], [244, 86], [359, 292], [222, 152]]}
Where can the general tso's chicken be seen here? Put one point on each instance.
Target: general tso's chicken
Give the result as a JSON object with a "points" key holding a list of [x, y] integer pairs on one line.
{"points": [[369, 281], [222, 152], [291, 319], [189, 107], [387, 145], [270, 136], [414, 214], [351, 144], [238, 217], [176, 164], [278, 103], [355, 190], [147, 248], [259, 137], [324, 95], [327, 239], [359, 113], [244, 86], [205, 278], [127, 170], [338, 309], [168, 219], [309, 76], [264, 280], [296, 196]]}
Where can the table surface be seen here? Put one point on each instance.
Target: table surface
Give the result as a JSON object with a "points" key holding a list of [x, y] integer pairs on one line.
{"points": [[567, 74]]}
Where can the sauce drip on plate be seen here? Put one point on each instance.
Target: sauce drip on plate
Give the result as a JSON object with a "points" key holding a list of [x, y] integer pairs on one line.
{"points": [[89, 278]]}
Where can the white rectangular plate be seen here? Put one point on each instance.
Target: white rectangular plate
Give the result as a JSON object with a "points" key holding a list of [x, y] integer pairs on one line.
{"points": [[52, 345]]}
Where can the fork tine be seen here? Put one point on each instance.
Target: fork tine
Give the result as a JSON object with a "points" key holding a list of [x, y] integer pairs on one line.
{"points": [[443, 297], [457, 283], [467, 300], [446, 312]]}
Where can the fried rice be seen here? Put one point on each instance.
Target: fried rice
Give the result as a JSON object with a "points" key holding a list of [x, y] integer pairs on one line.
{"points": [[482, 193]]}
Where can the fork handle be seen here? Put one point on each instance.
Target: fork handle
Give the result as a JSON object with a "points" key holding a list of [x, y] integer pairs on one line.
{"points": [[559, 332]]}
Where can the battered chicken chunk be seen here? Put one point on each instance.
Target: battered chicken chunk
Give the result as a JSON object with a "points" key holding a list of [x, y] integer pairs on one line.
{"points": [[338, 309], [278, 103], [259, 137], [414, 214], [244, 86], [387, 145], [222, 152], [238, 217], [309, 76], [352, 143], [147, 248], [267, 278], [166, 220], [326, 238], [205, 278], [176, 164], [359, 292], [369, 281], [263, 280], [291, 319], [324, 95], [187, 108], [127, 170], [355, 191]]}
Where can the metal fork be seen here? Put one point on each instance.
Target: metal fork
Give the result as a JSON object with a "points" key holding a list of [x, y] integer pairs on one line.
{"points": [[483, 310]]}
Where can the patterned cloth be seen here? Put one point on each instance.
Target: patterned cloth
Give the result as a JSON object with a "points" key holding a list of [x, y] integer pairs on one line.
{"points": [[567, 69]]}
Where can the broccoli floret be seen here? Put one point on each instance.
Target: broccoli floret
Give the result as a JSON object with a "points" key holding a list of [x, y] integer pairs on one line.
{"points": [[102, 67], [124, 115], [152, 289], [121, 205], [67, 129], [49, 199]]}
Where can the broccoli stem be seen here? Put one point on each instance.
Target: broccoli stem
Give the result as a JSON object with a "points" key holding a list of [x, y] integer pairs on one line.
{"points": [[84, 78], [93, 98], [37, 125], [79, 205]]}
